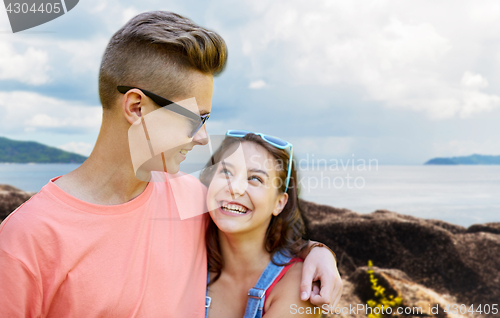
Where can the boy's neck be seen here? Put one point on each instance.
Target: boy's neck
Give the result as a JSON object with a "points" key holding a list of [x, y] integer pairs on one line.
{"points": [[107, 176]]}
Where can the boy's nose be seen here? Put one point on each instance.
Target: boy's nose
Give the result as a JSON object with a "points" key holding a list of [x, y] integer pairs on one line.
{"points": [[201, 136]]}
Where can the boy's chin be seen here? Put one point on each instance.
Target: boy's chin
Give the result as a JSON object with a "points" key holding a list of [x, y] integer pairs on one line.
{"points": [[173, 169]]}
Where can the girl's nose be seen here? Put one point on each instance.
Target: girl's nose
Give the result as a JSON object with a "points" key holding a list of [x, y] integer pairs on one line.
{"points": [[237, 185]]}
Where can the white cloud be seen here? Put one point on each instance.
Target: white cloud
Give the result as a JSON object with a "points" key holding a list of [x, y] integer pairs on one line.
{"points": [[461, 147], [219, 127], [401, 56], [334, 147], [39, 59], [437, 58], [257, 84], [471, 80], [98, 7], [31, 112], [474, 101], [84, 56], [129, 13], [30, 66], [82, 148]]}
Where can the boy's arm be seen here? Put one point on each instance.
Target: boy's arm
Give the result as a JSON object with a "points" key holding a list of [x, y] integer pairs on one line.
{"points": [[320, 264]]}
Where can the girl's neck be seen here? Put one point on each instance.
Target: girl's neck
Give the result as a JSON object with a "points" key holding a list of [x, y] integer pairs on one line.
{"points": [[243, 255]]}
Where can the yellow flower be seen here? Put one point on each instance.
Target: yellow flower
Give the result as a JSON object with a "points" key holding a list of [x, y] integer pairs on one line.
{"points": [[381, 300]]}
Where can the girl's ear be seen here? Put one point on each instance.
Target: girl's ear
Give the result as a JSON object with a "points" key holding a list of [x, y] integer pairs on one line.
{"points": [[280, 203]]}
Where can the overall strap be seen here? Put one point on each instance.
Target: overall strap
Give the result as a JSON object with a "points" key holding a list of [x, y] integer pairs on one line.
{"points": [[256, 295], [208, 300]]}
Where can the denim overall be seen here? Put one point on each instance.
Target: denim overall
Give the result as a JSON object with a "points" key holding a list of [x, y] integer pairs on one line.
{"points": [[256, 295]]}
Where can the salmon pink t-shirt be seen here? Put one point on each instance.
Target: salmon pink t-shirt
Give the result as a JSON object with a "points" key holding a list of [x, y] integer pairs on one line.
{"points": [[63, 257]]}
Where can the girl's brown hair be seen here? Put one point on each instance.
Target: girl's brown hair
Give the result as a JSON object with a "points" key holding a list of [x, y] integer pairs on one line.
{"points": [[285, 231]]}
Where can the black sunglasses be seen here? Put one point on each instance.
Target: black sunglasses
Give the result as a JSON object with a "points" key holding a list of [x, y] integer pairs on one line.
{"points": [[198, 121]]}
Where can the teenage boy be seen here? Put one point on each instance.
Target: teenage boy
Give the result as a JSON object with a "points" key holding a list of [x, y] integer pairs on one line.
{"points": [[99, 242]]}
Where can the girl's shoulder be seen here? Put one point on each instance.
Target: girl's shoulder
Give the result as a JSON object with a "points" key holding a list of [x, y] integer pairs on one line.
{"points": [[285, 295], [295, 265]]}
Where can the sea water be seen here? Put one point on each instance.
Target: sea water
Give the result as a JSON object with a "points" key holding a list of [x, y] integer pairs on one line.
{"points": [[462, 195], [32, 177]]}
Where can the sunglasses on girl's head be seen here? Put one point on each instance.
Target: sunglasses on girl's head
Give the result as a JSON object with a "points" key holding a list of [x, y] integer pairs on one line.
{"points": [[274, 141], [197, 121]]}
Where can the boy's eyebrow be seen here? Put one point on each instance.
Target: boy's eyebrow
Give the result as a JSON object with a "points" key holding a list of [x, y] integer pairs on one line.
{"points": [[226, 163]]}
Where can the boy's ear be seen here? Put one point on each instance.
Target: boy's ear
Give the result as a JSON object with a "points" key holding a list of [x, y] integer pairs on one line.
{"points": [[131, 106], [280, 203]]}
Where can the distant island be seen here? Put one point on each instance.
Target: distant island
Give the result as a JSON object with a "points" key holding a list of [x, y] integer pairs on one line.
{"points": [[466, 160], [15, 151]]}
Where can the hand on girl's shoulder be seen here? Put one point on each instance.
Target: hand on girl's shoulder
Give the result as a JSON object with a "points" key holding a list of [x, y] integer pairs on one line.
{"points": [[284, 300]]}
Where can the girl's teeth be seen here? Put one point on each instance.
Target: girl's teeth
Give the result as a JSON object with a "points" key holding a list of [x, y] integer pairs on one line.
{"points": [[234, 208]]}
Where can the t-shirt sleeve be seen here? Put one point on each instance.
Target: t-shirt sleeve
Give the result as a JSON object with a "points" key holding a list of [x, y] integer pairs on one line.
{"points": [[19, 290]]}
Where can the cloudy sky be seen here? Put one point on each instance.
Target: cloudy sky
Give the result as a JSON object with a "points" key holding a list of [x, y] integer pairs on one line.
{"points": [[396, 81]]}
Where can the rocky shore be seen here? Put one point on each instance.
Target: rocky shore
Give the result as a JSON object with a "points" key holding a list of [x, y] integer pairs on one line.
{"points": [[11, 198], [424, 262]]}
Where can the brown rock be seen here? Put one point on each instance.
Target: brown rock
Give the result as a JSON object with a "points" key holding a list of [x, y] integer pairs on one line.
{"points": [[487, 227], [11, 198], [418, 301], [447, 258], [348, 300]]}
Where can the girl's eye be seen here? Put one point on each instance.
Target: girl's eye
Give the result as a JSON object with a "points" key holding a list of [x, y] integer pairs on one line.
{"points": [[225, 171], [256, 178]]}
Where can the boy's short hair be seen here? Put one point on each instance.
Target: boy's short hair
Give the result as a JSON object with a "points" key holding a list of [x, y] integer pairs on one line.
{"points": [[154, 50]]}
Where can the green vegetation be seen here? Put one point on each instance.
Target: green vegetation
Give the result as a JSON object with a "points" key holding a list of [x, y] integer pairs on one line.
{"points": [[380, 300], [468, 160], [14, 151]]}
